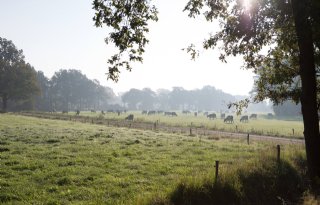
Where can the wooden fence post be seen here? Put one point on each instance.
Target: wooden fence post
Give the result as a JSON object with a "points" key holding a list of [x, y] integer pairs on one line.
{"points": [[248, 139], [217, 170], [292, 131]]}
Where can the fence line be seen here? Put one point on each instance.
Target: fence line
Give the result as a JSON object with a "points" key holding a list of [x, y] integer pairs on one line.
{"points": [[157, 127]]}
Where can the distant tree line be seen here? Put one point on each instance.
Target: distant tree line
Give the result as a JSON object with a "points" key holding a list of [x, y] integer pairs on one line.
{"points": [[287, 109], [71, 90], [207, 98], [23, 88]]}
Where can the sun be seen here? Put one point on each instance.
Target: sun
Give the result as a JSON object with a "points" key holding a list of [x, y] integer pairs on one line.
{"points": [[246, 4]]}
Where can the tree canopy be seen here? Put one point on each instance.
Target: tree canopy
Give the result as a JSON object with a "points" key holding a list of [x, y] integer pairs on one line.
{"points": [[17, 78], [71, 90]]}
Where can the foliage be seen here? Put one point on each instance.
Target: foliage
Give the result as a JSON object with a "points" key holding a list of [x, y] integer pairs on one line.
{"points": [[129, 23], [17, 78], [287, 109], [71, 90], [248, 30]]}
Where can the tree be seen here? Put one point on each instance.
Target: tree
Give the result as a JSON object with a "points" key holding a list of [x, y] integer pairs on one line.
{"points": [[17, 78], [132, 99], [289, 29], [42, 102]]}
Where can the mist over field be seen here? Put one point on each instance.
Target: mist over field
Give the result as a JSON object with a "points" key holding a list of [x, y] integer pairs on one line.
{"points": [[160, 102]]}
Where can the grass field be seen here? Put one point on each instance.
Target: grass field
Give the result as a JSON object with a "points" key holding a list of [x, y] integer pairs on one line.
{"points": [[61, 162], [262, 126]]}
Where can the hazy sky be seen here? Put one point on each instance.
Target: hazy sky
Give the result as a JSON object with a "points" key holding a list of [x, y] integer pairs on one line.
{"points": [[60, 34]]}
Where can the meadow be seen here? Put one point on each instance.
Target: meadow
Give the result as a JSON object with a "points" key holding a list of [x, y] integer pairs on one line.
{"points": [[262, 126], [61, 162]]}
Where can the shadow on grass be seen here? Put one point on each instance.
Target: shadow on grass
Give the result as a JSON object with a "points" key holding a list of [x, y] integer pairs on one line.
{"points": [[261, 182]]}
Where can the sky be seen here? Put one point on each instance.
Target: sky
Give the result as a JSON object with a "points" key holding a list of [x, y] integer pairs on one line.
{"points": [[60, 34]]}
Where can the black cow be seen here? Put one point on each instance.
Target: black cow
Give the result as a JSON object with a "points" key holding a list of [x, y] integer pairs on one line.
{"points": [[77, 112], [130, 117], [253, 116], [228, 119], [212, 116], [170, 113], [244, 118]]}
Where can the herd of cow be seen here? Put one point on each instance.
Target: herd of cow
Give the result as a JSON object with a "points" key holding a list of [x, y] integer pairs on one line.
{"points": [[229, 118], [226, 119]]}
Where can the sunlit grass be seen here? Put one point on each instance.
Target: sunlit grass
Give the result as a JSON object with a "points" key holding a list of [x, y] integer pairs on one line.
{"points": [[60, 162], [262, 126]]}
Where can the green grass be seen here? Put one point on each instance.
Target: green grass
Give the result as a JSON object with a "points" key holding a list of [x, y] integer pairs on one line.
{"points": [[261, 126], [60, 162], [259, 181]]}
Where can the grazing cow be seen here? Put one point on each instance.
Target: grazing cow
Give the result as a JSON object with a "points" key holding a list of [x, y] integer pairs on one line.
{"points": [[228, 119], [93, 111], [151, 112], [212, 116], [253, 116], [64, 112], [170, 113], [130, 117], [77, 112], [244, 118], [222, 116]]}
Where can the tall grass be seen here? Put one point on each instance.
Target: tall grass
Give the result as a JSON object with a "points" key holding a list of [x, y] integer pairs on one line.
{"points": [[262, 180]]}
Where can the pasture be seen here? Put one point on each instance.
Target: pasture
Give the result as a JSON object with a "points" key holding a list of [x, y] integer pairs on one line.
{"points": [[260, 126], [60, 162]]}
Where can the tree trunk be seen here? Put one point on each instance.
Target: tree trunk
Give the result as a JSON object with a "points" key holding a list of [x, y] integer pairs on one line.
{"points": [[309, 87]]}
